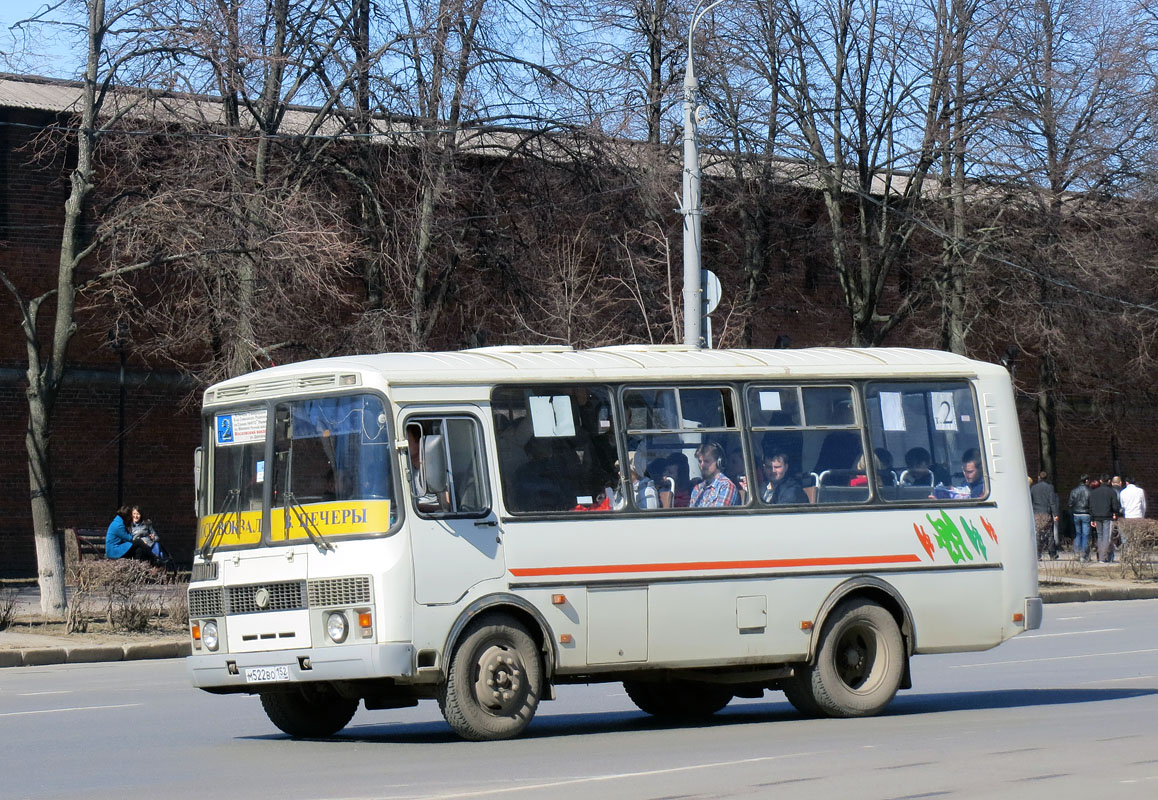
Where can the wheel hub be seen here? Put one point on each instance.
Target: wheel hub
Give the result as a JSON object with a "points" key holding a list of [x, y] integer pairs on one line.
{"points": [[499, 686]]}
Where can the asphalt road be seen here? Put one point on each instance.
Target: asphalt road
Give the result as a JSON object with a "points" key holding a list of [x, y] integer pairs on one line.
{"points": [[1069, 711]]}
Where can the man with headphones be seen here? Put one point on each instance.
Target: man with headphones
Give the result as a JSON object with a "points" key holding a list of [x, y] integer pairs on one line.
{"points": [[716, 488]]}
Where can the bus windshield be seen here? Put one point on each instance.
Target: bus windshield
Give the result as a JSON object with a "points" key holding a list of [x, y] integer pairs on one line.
{"points": [[330, 470]]}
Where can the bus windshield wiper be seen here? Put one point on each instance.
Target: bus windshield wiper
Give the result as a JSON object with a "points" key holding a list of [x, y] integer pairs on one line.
{"points": [[232, 501], [311, 530]]}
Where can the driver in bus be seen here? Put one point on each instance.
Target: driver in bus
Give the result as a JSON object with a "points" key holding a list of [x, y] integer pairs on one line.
{"points": [[716, 489]]}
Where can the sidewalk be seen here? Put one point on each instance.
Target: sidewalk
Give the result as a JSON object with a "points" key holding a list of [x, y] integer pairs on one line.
{"points": [[19, 648]]}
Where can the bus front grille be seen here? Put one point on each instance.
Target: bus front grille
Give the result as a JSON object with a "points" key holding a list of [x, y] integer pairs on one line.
{"points": [[284, 596], [329, 592]]}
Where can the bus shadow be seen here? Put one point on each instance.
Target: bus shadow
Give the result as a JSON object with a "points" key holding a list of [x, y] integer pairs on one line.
{"points": [[773, 709], [927, 703]]}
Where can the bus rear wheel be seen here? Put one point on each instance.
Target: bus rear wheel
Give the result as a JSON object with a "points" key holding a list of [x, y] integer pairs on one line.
{"points": [[681, 700], [308, 713], [860, 662], [494, 682]]}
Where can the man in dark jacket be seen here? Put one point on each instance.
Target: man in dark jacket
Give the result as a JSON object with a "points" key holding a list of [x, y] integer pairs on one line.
{"points": [[1080, 511], [781, 487], [1045, 514], [1104, 509]]}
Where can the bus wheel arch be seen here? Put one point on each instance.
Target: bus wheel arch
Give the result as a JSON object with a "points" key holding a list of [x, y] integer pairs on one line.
{"points": [[493, 680], [518, 609], [873, 589]]}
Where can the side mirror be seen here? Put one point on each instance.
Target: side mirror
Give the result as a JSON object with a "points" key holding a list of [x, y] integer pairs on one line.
{"points": [[434, 469], [197, 453]]}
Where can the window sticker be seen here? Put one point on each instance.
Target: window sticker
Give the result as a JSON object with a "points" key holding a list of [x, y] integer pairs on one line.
{"points": [[246, 427], [892, 411], [770, 401], [259, 469], [944, 411], [552, 416]]}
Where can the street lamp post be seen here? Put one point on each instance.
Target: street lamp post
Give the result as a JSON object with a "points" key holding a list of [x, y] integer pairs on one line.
{"points": [[692, 211]]}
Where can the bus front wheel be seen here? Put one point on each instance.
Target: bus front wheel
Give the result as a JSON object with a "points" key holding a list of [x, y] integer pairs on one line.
{"points": [[494, 682], [860, 662], [308, 713]]}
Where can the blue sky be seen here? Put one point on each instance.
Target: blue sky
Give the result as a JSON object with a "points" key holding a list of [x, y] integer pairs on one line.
{"points": [[46, 54]]}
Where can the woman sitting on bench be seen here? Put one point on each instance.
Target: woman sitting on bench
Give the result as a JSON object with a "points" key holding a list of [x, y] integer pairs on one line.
{"points": [[119, 543]]}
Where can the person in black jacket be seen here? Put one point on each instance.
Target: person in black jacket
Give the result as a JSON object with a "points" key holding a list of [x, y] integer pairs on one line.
{"points": [[1080, 511], [1104, 509], [1045, 514]]}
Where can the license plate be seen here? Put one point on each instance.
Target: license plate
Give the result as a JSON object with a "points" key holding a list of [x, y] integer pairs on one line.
{"points": [[266, 674]]}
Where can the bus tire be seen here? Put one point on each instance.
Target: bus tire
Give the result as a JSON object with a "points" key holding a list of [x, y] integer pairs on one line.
{"points": [[494, 682], [798, 690], [860, 660], [308, 713], [677, 700]]}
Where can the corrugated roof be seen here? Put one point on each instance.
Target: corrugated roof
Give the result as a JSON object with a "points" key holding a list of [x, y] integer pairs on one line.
{"points": [[629, 363], [41, 94]]}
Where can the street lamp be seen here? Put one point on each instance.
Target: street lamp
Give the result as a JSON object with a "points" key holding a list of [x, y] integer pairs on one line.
{"points": [[692, 210]]}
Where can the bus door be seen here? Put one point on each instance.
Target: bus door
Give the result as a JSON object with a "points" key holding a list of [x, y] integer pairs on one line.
{"points": [[454, 534]]}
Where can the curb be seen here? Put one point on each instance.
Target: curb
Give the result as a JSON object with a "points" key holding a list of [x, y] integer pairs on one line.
{"points": [[1080, 594], [43, 656]]}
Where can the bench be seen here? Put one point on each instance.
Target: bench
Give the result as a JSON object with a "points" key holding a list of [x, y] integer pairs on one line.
{"points": [[80, 543]]}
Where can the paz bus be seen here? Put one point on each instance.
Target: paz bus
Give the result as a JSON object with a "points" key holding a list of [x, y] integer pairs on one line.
{"points": [[481, 527]]}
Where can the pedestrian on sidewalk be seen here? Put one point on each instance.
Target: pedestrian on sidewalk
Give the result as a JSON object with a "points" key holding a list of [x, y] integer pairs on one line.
{"points": [[1080, 511], [1104, 511], [1133, 501], [1045, 515]]}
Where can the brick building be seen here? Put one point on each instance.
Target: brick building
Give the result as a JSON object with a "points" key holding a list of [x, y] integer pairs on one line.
{"points": [[125, 429]]}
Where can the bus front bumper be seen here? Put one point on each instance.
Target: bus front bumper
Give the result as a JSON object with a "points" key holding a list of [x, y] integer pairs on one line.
{"points": [[250, 672]]}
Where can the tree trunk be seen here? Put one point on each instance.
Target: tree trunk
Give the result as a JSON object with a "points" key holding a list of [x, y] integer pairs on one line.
{"points": [[49, 563]]}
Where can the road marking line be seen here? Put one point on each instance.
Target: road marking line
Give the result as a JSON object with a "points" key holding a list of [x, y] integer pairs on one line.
{"points": [[73, 708], [614, 777], [1069, 633], [1054, 658], [37, 694], [1120, 680]]}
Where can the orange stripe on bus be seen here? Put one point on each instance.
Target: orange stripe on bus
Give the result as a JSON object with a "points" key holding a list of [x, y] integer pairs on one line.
{"points": [[606, 569]]}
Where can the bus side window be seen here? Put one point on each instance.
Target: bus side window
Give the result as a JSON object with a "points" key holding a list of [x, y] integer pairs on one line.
{"points": [[447, 477], [932, 428]]}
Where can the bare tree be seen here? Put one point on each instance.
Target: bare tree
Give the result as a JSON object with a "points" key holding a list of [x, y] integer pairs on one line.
{"points": [[863, 112], [1074, 135], [114, 52]]}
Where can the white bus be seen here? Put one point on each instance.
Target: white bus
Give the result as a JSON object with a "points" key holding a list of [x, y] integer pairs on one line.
{"points": [[479, 527]]}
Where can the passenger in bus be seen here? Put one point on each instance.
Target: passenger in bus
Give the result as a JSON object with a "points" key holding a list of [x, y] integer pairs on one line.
{"points": [[642, 486], [782, 486], [677, 476], [716, 488], [546, 482], [884, 463], [424, 499], [974, 475], [917, 468]]}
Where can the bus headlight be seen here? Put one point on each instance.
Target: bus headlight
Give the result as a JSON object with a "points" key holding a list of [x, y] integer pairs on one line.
{"points": [[209, 635], [337, 627]]}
